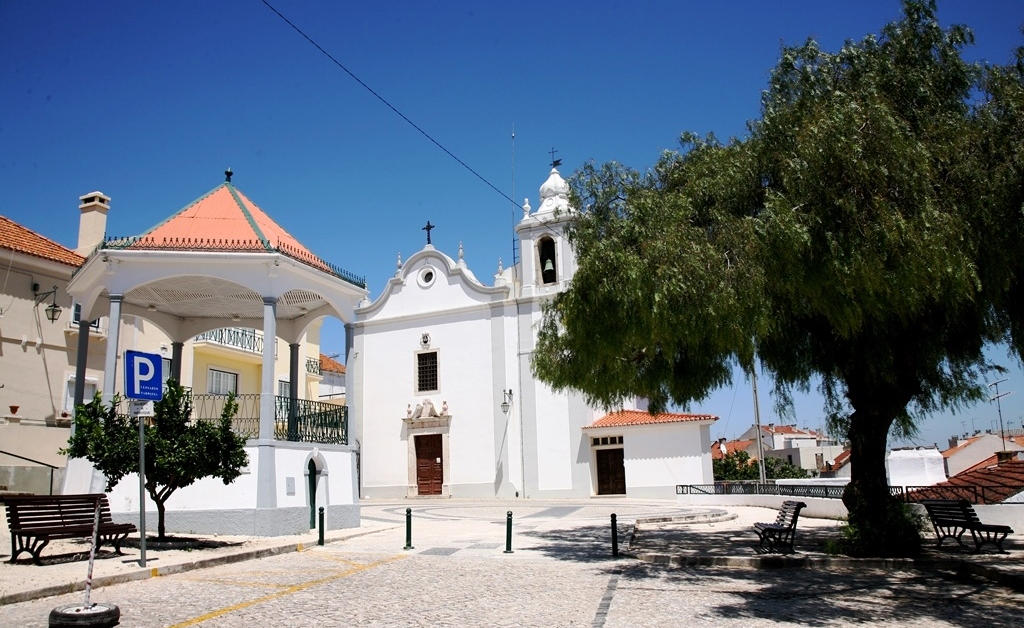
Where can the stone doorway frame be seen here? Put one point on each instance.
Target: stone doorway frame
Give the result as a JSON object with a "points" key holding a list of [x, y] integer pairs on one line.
{"points": [[423, 427]]}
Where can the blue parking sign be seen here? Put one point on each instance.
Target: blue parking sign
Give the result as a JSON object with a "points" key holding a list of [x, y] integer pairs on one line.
{"points": [[142, 376]]}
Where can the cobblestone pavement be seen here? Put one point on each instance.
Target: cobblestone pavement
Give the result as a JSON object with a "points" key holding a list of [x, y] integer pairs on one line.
{"points": [[559, 574]]}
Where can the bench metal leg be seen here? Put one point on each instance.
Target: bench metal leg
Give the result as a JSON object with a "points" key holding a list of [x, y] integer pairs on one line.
{"points": [[33, 545]]}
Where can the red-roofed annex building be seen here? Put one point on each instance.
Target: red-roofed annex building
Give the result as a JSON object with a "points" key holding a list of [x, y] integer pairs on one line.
{"points": [[445, 402], [202, 289]]}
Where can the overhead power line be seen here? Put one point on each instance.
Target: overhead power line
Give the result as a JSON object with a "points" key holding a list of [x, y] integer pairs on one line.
{"points": [[385, 101]]}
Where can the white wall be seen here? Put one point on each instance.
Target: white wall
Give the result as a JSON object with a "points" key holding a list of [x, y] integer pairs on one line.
{"points": [[664, 455], [915, 467], [205, 494], [465, 381]]}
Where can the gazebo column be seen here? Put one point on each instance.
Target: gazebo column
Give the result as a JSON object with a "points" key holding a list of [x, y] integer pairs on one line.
{"points": [[293, 391], [110, 364], [80, 362], [176, 348], [266, 481]]}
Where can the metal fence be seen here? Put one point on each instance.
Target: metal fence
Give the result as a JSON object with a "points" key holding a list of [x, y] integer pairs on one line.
{"points": [[973, 494], [297, 420]]}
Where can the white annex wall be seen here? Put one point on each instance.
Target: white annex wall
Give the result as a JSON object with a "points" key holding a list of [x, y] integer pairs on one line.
{"points": [[663, 455]]}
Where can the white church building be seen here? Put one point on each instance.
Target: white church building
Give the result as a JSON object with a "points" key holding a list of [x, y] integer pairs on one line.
{"points": [[444, 402]]}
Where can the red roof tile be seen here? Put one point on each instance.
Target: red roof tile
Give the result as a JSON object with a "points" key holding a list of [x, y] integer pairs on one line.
{"points": [[23, 240], [731, 446], [841, 459], [983, 485], [330, 365], [639, 417], [787, 429]]}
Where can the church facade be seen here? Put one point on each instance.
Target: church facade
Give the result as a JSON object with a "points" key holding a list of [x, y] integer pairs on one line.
{"points": [[443, 400]]}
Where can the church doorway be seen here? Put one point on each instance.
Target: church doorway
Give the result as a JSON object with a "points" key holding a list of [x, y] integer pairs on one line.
{"points": [[429, 464], [611, 472]]}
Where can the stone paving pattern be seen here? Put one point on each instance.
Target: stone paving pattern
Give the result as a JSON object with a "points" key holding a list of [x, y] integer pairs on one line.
{"points": [[560, 573]]}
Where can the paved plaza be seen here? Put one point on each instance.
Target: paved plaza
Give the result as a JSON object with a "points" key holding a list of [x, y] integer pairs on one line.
{"points": [[560, 573]]}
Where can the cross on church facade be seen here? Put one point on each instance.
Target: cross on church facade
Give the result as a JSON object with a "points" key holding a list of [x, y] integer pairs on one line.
{"points": [[427, 228], [554, 162]]}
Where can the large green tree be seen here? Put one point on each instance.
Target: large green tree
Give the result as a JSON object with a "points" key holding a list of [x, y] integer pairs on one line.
{"points": [[867, 235], [179, 451]]}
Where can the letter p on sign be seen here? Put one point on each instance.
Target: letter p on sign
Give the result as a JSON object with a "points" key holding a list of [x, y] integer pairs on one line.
{"points": [[142, 375]]}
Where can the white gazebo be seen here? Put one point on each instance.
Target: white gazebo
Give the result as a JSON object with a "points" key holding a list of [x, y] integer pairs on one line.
{"points": [[222, 262]]}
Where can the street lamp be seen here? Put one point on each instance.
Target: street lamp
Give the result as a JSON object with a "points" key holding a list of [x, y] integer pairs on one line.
{"points": [[506, 401], [52, 310]]}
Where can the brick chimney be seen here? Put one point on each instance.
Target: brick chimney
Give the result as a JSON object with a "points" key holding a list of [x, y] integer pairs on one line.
{"points": [[92, 224], [1007, 456]]}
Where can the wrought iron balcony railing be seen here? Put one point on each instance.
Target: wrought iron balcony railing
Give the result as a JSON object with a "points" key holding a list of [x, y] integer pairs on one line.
{"points": [[313, 365], [297, 420], [236, 337]]}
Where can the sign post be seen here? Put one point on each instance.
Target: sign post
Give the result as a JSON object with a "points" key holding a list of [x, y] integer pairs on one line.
{"points": [[142, 381]]}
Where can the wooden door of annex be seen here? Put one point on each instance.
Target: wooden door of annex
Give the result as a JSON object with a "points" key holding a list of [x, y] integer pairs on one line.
{"points": [[611, 472]]}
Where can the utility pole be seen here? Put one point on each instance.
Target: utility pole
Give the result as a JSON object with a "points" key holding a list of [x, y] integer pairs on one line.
{"points": [[757, 423]]}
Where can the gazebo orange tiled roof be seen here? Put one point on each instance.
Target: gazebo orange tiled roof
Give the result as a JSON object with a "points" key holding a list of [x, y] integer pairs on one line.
{"points": [[224, 219]]}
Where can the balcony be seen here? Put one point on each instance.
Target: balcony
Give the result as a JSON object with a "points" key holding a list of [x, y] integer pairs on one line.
{"points": [[248, 340], [313, 366]]}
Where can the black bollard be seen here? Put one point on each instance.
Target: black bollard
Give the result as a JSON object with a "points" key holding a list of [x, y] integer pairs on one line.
{"points": [[321, 541], [408, 529], [615, 537], [508, 533]]}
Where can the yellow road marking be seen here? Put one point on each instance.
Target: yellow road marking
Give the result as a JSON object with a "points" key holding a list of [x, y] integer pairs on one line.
{"points": [[339, 559], [239, 583], [292, 589]]}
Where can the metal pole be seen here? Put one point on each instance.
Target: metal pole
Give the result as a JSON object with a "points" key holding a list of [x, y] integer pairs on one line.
{"points": [[508, 532], [408, 529], [92, 553], [615, 537], [999, 405], [321, 541], [142, 491], [757, 423]]}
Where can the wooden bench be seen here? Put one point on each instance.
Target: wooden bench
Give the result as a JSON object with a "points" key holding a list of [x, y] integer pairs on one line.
{"points": [[35, 520], [778, 536], [951, 518]]}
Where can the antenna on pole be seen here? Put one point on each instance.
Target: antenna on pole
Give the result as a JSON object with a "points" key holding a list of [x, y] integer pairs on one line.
{"points": [[996, 397]]}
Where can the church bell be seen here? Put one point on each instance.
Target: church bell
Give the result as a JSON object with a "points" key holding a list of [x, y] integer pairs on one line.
{"points": [[549, 266]]}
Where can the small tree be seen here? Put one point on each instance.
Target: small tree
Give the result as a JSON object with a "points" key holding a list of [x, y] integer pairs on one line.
{"points": [[178, 451]]}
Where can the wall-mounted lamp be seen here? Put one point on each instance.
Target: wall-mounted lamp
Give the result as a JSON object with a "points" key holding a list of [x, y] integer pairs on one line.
{"points": [[52, 310], [507, 401]]}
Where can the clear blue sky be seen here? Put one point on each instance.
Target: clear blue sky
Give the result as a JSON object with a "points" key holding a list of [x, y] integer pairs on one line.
{"points": [[150, 101]]}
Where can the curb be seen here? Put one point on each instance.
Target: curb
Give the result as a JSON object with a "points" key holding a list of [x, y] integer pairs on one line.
{"points": [[154, 572], [711, 516]]}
